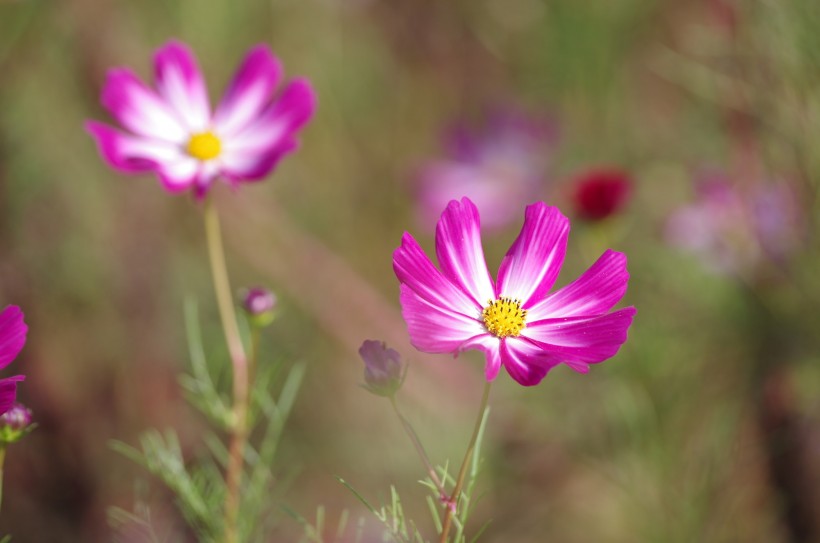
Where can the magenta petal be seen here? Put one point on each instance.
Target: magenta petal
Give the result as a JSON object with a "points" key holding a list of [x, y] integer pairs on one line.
{"points": [[586, 340], [595, 292], [8, 392], [181, 174], [459, 251], [534, 260], [131, 154], [252, 153], [139, 109], [414, 269], [180, 83], [249, 91], [12, 334], [491, 347], [433, 329], [522, 363]]}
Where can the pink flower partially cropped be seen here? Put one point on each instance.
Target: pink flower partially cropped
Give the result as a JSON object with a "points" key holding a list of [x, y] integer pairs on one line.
{"points": [[500, 167], [12, 338], [171, 131], [738, 229], [515, 320]]}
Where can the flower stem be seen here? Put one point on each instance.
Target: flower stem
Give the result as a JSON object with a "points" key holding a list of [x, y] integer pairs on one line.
{"points": [[448, 515], [239, 430], [411, 433]]}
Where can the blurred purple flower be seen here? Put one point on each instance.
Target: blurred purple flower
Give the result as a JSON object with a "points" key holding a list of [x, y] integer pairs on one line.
{"points": [[501, 168], [601, 192], [12, 339], [383, 368], [514, 320], [733, 231], [173, 133]]}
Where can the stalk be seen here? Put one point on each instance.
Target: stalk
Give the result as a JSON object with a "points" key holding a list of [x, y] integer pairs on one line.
{"points": [[411, 433], [239, 362], [448, 515]]}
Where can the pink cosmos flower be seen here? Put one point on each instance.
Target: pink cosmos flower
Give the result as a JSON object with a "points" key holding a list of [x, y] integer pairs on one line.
{"points": [[514, 320], [501, 168], [172, 131], [735, 230], [12, 338]]}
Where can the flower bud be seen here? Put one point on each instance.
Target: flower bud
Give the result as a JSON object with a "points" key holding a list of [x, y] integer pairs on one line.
{"points": [[259, 305], [15, 423], [383, 368]]}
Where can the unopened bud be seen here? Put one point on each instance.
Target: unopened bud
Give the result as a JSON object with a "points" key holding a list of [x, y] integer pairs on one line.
{"points": [[259, 305], [383, 368], [15, 423]]}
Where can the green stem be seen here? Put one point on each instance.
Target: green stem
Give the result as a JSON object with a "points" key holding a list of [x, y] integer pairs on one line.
{"points": [[239, 430], [453, 502], [411, 433], [253, 354]]}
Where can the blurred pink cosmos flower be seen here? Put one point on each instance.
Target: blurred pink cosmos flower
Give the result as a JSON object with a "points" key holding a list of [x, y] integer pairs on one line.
{"points": [[515, 321], [733, 231], [173, 132], [500, 168], [12, 338]]}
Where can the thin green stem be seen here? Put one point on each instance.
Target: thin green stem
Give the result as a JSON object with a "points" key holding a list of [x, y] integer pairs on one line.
{"points": [[253, 355], [454, 497], [239, 430], [411, 433]]}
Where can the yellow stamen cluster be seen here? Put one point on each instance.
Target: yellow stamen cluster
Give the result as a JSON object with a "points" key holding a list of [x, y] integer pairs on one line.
{"points": [[204, 146], [504, 317]]}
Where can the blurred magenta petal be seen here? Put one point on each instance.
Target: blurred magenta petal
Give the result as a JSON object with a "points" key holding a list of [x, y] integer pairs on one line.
{"points": [[134, 154], [449, 312], [139, 109], [180, 83], [256, 149], [12, 334], [8, 392], [172, 132], [250, 90]]}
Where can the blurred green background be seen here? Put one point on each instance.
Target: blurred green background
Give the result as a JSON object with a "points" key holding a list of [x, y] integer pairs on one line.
{"points": [[705, 427]]}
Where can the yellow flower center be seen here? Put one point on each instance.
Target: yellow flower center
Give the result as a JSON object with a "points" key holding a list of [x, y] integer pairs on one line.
{"points": [[504, 317], [204, 146]]}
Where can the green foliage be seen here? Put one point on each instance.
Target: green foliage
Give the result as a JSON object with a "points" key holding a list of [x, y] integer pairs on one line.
{"points": [[397, 527], [198, 484], [129, 526]]}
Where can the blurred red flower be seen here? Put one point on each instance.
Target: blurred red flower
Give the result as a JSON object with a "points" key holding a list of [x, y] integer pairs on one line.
{"points": [[601, 192]]}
